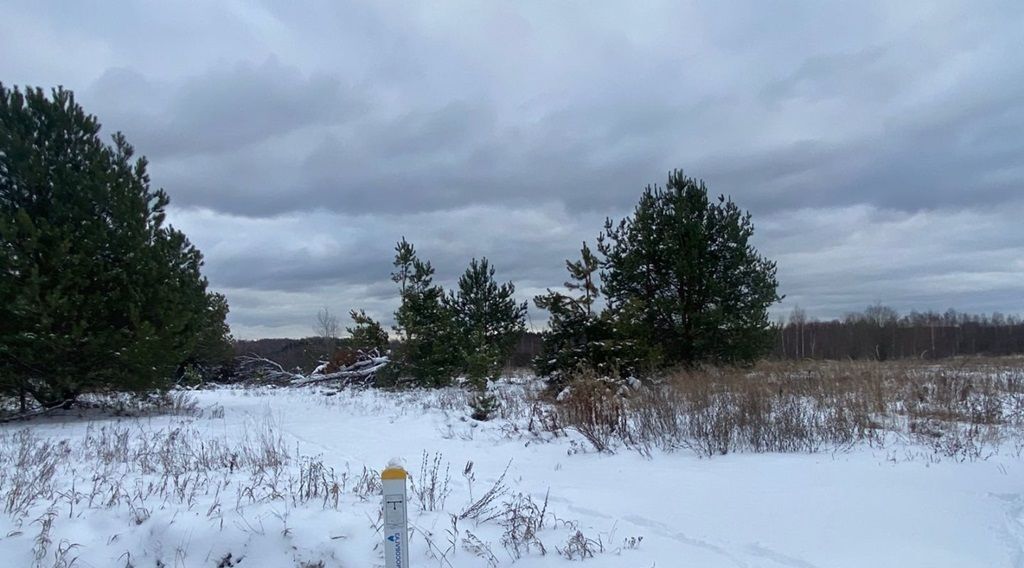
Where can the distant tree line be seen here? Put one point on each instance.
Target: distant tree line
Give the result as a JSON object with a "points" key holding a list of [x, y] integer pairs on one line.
{"points": [[881, 333]]}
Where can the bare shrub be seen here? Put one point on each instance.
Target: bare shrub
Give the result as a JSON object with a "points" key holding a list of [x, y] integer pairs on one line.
{"points": [[472, 544], [483, 508], [594, 409], [431, 488], [266, 447], [368, 484], [580, 547], [522, 520], [317, 482], [62, 555], [42, 541]]}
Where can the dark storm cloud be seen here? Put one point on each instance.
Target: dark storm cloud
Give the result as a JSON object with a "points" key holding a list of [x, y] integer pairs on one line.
{"points": [[877, 144]]}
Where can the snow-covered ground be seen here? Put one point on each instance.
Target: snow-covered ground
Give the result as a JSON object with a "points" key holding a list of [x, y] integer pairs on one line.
{"points": [[208, 491]]}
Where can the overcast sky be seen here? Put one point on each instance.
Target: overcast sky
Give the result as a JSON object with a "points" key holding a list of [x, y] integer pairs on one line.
{"points": [[878, 145]]}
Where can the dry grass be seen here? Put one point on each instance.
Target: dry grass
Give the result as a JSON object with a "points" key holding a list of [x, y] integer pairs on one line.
{"points": [[146, 473], [130, 470], [135, 469], [961, 411]]}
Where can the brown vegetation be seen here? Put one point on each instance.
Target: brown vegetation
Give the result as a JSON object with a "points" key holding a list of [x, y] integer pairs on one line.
{"points": [[962, 410]]}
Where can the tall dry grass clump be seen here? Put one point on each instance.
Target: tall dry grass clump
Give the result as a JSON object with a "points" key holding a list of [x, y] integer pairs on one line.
{"points": [[958, 411]]}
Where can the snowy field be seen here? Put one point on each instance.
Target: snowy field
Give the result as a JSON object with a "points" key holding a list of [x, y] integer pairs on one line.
{"points": [[288, 478]]}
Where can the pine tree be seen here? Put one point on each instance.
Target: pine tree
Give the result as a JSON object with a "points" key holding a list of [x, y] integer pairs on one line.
{"points": [[429, 352], [581, 277], [577, 339], [213, 353], [487, 318], [681, 277], [367, 333], [96, 292], [489, 322], [471, 330]]}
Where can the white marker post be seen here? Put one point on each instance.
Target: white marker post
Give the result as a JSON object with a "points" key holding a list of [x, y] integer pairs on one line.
{"points": [[396, 523]]}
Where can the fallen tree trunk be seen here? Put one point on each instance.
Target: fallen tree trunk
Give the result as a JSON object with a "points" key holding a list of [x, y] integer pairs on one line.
{"points": [[363, 371], [265, 370]]}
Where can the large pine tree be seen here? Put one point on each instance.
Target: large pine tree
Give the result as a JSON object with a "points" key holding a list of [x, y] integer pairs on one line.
{"points": [[681, 276], [96, 292]]}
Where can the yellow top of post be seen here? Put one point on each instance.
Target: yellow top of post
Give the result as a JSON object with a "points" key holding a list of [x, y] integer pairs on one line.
{"points": [[393, 473]]}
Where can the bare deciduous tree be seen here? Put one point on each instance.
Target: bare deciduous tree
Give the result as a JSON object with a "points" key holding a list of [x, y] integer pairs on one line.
{"points": [[798, 317], [326, 328]]}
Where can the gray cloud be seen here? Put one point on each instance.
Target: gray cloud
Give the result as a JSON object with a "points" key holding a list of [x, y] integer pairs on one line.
{"points": [[877, 144], [226, 108]]}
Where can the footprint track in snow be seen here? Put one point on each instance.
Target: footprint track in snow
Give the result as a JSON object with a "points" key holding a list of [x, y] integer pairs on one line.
{"points": [[755, 550]]}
